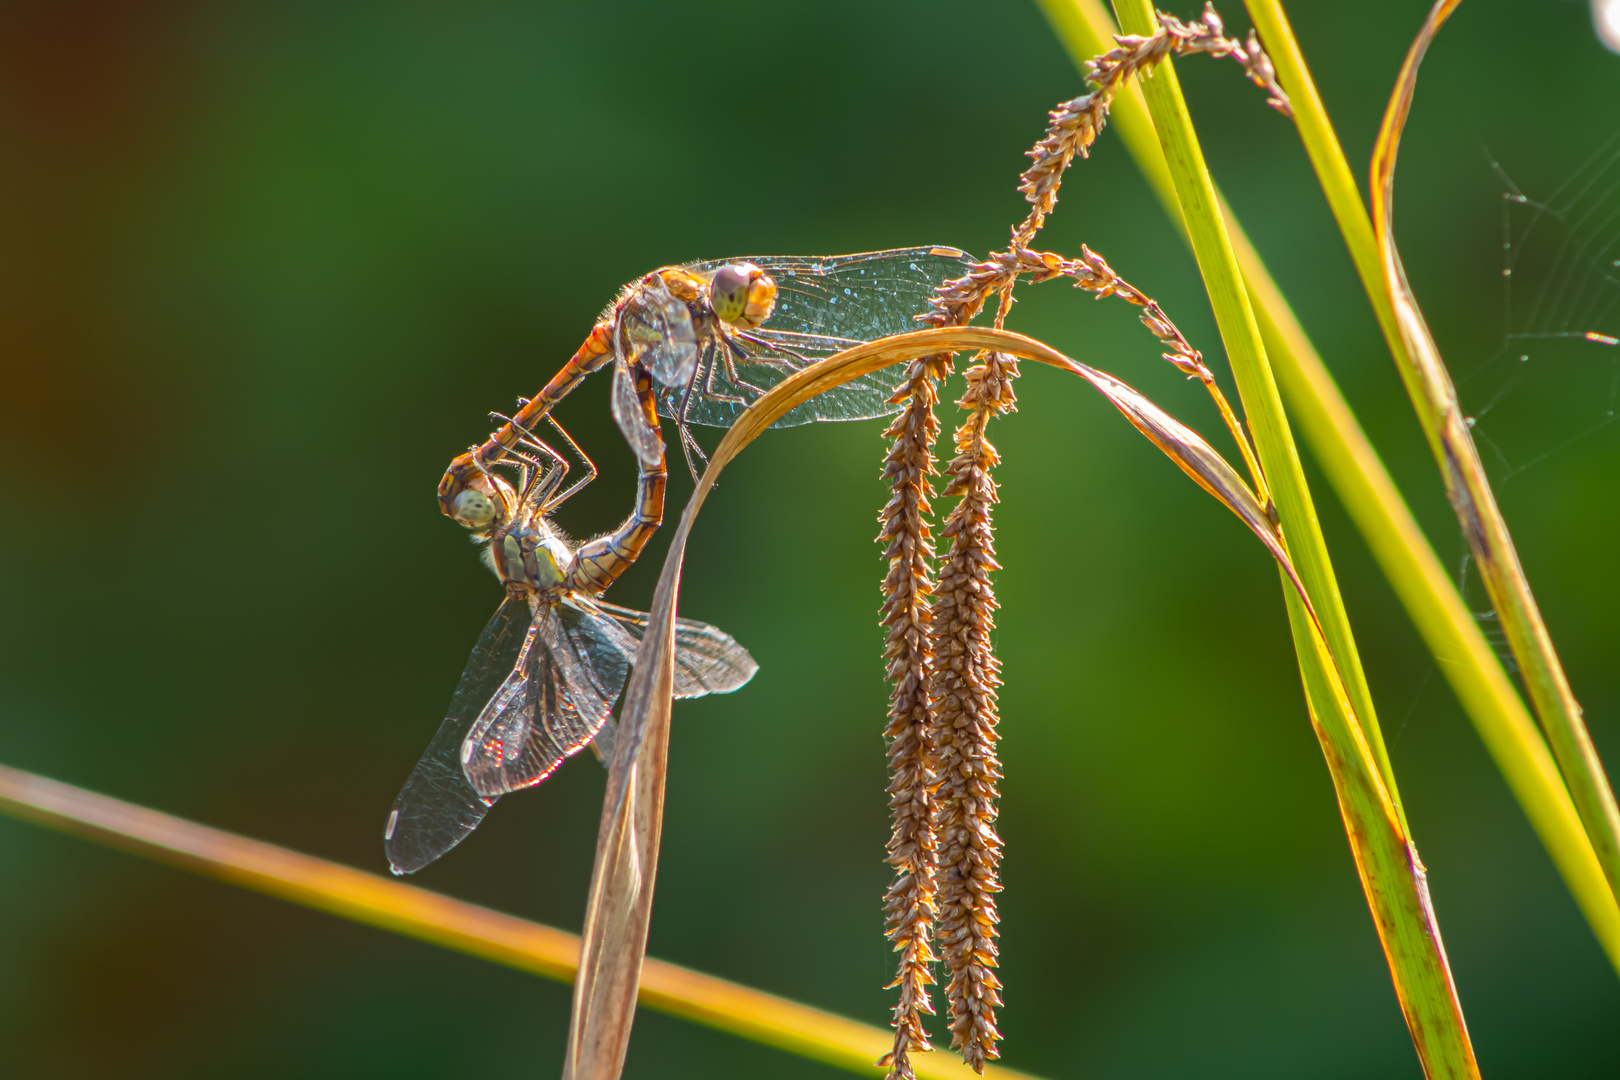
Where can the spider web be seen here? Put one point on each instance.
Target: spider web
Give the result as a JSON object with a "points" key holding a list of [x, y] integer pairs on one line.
{"points": [[1555, 377]]}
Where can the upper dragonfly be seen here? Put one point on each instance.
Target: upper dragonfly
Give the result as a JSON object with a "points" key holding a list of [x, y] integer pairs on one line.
{"points": [[716, 334], [544, 675]]}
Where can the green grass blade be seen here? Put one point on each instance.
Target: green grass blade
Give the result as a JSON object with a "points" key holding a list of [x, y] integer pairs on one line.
{"points": [[1391, 874], [1434, 400], [1329, 427]]}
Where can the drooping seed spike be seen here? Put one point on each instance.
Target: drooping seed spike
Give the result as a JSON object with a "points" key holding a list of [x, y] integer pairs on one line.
{"points": [[907, 591]]}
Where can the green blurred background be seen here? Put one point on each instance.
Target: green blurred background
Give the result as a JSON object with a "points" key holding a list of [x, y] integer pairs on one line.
{"points": [[264, 267]]}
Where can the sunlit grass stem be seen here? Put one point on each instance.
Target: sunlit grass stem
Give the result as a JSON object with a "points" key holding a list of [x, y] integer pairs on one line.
{"points": [[1340, 446], [453, 924], [1391, 874], [1434, 400]]}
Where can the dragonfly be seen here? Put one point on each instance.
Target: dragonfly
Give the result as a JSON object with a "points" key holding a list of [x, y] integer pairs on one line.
{"points": [[717, 334], [543, 677]]}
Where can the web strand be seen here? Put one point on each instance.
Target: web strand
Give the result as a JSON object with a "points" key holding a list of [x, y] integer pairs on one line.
{"points": [[1554, 379]]}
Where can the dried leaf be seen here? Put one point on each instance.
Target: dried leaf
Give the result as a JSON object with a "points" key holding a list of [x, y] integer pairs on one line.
{"points": [[620, 904]]}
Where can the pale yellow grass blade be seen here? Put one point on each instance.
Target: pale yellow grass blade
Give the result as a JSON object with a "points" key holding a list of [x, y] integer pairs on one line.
{"points": [[392, 905]]}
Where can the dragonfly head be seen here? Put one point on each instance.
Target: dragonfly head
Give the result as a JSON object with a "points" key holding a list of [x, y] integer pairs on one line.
{"points": [[742, 295], [473, 508]]}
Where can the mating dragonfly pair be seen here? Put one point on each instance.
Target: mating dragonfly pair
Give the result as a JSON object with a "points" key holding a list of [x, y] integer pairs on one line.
{"points": [[696, 344]]}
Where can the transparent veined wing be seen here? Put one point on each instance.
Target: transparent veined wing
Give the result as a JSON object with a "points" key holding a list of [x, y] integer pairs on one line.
{"points": [[437, 807], [823, 305], [707, 659], [655, 330], [644, 439], [559, 694], [596, 653]]}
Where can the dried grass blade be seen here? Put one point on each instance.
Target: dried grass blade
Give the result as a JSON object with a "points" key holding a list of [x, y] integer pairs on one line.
{"points": [[1199, 460], [621, 887], [1435, 399], [619, 910], [389, 904]]}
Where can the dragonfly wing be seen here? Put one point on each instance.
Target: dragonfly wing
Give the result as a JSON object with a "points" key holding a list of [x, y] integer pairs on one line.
{"points": [[655, 330], [492, 752], [596, 653], [555, 702], [823, 306], [644, 441], [437, 807], [707, 659]]}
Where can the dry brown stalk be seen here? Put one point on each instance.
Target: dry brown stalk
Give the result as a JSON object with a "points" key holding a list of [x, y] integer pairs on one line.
{"points": [[943, 714], [956, 302], [963, 737], [1074, 125], [907, 611]]}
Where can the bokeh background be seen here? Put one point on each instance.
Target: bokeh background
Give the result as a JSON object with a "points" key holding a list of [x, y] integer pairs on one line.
{"points": [[264, 268]]}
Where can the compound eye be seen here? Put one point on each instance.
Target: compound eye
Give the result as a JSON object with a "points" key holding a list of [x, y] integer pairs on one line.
{"points": [[474, 509], [728, 292]]}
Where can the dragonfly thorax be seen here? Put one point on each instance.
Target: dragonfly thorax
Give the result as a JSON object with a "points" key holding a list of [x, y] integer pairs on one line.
{"points": [[529, 557]]}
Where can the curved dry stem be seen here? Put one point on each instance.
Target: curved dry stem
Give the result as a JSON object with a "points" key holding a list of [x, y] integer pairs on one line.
{"points": [[627, 840]]}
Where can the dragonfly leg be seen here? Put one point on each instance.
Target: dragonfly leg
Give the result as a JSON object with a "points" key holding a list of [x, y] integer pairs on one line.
{"points": [[731, 373], [689, 443], [689, 448], [755, 339], [593, 355], [590, 466], [524, 450], [732, 354]]}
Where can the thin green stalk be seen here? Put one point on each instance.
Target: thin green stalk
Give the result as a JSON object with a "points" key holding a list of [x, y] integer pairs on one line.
{"points": [[1392, 876], [1376, 507], [1434, 399]]}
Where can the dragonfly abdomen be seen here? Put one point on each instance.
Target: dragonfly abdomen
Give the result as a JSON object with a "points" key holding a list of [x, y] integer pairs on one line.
{"points": [[598, 563]]}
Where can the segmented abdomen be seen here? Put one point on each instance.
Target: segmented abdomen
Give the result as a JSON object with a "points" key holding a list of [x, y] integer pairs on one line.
{"points": [[598, 563]]}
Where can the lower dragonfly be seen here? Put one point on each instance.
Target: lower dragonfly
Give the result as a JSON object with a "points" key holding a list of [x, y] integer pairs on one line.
{"points": [[717, 334], [542, 679]]}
